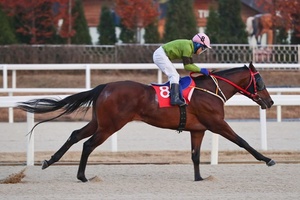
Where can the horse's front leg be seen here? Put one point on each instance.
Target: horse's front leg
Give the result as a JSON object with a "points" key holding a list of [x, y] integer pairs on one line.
{"points": [[196, 141], [76, 136], [225, 130]]}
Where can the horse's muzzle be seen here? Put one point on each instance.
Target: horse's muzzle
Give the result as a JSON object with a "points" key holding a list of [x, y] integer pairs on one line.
{"points": [[271, 103], [266, 104]]}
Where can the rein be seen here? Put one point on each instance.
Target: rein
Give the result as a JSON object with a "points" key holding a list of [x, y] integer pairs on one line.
{"points": [[222, 98], [241, 90]]}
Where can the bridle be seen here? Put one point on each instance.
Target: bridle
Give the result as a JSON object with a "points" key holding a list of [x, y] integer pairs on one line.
{"points": [[251, 89]]}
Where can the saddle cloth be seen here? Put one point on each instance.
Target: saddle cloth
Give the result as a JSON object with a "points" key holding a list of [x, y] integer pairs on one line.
{"points": [[187, 85]]}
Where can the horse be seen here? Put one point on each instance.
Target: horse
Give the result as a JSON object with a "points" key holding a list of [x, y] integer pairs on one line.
{"points": [[115, 104], [258, 25]]}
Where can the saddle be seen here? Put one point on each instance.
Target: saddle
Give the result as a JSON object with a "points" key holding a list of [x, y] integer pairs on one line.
{"points": [[187, 85]]}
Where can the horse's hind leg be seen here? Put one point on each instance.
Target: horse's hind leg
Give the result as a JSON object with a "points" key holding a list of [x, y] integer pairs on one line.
{"points": [[76, 136], [97, 139], [196, 141]]}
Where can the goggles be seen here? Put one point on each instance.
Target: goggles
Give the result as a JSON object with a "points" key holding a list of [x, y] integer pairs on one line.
{"points": [[198, 46]]}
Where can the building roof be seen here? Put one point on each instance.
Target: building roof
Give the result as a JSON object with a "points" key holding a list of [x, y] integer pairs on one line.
{"points": [[255, 5]]}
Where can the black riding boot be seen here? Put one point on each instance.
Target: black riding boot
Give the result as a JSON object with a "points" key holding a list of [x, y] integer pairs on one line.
{"points": [[175, 96]]}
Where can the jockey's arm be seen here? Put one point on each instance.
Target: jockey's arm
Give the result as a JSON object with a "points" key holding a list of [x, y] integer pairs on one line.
{"points": [[189, 65]]}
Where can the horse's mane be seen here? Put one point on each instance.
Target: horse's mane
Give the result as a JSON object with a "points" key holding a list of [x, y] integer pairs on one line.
{"points": [[229, 71], [223, 72]]}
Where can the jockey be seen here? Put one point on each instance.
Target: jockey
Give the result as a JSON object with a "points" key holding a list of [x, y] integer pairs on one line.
{"points": [[180, 49]]}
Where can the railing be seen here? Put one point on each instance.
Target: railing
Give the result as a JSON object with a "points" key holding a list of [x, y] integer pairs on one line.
{"points": [[113, 66], [137, 53]]}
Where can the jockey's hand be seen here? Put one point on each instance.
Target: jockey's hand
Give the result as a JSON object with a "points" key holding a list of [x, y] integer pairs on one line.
{"points": [[204, 71]]}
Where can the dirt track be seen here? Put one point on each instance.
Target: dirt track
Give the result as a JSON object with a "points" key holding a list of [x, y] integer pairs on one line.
{"points": [[242, 181]]}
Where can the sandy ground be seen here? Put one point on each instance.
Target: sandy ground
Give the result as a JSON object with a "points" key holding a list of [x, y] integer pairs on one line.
{"points": [[233, 181], [152, 164]]}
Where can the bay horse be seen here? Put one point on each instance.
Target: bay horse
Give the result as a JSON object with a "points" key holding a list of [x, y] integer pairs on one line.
{"points": [[117, 103]]}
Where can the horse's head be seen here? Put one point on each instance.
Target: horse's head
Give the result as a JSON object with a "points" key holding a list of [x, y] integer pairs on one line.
{"points": [[257, 89], [245, 80]]}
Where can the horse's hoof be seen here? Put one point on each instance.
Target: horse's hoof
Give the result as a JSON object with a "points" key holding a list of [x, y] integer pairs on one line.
{"points": [[199, 179], [45, 164], [271, 163], [82, 179]]}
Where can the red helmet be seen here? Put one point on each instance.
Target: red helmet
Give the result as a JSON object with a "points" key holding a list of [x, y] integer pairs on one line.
{"points": [[202, 38]]}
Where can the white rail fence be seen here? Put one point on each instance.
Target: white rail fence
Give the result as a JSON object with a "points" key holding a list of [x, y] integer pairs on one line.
{"points": [[238, 100], [113, 66]]}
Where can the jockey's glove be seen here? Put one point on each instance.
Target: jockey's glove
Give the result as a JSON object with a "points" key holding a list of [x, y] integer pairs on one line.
{"points": [[204, 71]]}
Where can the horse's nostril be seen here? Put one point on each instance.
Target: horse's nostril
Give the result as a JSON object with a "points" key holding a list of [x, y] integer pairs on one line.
{"points": [[272, 102]]}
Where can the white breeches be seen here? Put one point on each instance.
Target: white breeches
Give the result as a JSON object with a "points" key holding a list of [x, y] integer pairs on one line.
{"points": [[165, 65]]}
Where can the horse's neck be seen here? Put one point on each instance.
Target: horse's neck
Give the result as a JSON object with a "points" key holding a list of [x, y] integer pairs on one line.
{"points": [[239, 77]]}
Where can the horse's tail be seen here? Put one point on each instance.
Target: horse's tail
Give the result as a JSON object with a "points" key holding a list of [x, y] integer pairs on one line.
{"points": [[67, 105]]}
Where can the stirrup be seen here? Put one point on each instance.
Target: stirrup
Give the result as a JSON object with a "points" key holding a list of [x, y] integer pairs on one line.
{"points": [[177, 102]]}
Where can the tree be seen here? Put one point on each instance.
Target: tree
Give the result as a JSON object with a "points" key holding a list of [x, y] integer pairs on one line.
{"points": [[136, 14], [212, 26], [180, 20], [82, 35], [151, 33], [127, 35], [34, 20], [37, 22], [7, 35], [106, 27], [295, 38], [231, 25], [281, 36], [67, 18]]}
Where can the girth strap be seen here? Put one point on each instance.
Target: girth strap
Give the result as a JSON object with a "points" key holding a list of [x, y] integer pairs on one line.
{"points": [[182, 119]]}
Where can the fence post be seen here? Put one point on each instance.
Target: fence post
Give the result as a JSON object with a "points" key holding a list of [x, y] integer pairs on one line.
{"points": [[30, 140], [13, 85], [14, 79], [279, 116], [159, 76], [263, 128], [4, 76], [87, 76], [214, 149], [114, 142]]}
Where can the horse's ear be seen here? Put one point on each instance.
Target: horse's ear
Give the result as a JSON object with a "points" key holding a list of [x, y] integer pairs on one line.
{"points": [[250, 64], [251, 67]]}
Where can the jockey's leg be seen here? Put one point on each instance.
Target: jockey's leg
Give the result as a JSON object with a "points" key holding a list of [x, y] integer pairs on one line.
{"points": [[163, 62]]}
